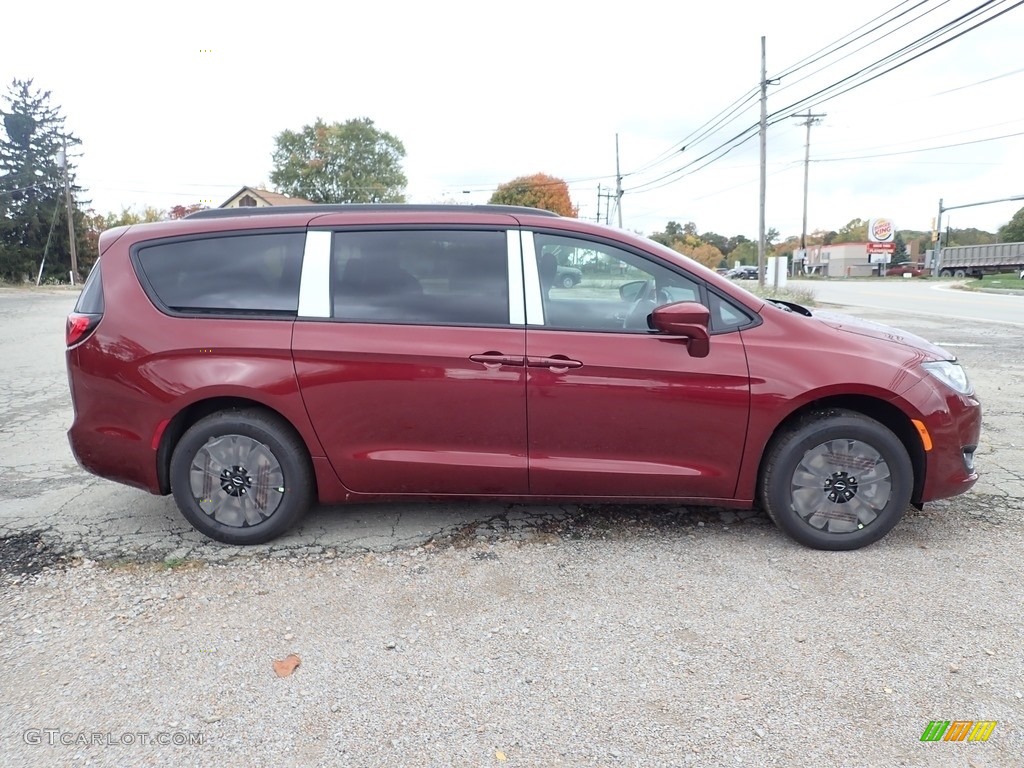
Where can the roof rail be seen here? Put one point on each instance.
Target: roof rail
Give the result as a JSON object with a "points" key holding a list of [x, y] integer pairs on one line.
{"points": [[224, 213]]}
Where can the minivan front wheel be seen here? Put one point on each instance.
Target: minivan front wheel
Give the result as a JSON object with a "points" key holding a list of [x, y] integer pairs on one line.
{"points": [[241, 476], [837, 480]]}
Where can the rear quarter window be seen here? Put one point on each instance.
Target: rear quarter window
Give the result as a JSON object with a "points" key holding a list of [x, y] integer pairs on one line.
{"points": [[245, 274]]}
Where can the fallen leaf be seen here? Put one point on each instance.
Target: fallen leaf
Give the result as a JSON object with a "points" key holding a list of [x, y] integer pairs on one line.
{"points": [[500, 755], [741, 697], [284, 667]]}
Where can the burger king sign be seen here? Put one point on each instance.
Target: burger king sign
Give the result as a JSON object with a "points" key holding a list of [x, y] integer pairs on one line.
{"points": [[881, 231]]}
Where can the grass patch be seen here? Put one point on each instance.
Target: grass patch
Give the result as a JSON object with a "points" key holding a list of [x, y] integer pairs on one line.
{"points": [[793, 293]]}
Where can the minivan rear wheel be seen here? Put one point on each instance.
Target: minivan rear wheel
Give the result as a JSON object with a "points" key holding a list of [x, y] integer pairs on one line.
{"points": [[241, 476], [836, 480]]}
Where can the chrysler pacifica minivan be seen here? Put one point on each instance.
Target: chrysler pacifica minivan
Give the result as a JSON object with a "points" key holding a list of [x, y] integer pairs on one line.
{"points": [[254, 361]]}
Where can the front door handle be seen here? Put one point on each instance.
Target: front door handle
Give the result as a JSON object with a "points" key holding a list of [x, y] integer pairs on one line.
{"points": [[496, 358], [555, 361]]}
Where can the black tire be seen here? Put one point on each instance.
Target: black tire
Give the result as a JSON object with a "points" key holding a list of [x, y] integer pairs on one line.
{"points": [[280, 461], [945, 273], [960, 273], [568, 281], [873, 448]]}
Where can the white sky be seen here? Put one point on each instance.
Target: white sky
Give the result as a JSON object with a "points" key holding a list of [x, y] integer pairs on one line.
{"points": [[481, 92]]}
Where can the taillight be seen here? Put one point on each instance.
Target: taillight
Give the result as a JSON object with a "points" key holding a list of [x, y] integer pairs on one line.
{"points": [[79, 327]]}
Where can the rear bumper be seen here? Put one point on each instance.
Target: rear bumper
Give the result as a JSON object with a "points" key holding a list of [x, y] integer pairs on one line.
{"points": [[114, 454]]}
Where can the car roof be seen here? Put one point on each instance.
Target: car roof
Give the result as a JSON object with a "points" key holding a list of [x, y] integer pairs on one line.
{"points": [[224, 213]]}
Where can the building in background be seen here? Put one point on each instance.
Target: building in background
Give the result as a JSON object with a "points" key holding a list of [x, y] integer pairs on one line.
{"points": [[254, 197], [842, 260]]}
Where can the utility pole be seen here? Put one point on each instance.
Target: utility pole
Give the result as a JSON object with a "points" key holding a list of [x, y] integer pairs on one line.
{"points": [[764, 150], [618, 182], [809, 120], [598, 218], [71, 218]]}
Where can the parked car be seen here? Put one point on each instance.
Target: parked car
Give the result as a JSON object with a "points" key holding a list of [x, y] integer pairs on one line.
{"points": [[253, 361], [914, 270], [567, 277], [742, 273]]}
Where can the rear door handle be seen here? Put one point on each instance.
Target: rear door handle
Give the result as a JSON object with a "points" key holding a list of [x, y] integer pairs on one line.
{"points": [[496, 358], [555, 361]]}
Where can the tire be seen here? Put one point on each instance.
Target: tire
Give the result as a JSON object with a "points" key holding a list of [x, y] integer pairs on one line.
{"points": [[265, 466], [568, 282], [945, 273], [960, 273], [801, 478]]}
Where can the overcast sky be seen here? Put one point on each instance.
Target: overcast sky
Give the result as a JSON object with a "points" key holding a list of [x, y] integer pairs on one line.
{"points": [[481, 92]]}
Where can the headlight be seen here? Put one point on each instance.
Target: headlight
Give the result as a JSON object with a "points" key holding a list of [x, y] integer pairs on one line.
{"points": [[951, 374]]}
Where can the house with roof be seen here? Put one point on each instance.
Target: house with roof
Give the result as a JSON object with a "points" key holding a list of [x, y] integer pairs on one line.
{"points": [[255, 197]]}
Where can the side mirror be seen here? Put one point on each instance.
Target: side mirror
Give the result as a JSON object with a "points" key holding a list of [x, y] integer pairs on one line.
{"points": [[631, 291], [688, 319]]}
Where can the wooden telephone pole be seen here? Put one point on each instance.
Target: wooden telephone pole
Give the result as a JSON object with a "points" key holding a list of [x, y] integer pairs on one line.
{"points": [[71, 216]]}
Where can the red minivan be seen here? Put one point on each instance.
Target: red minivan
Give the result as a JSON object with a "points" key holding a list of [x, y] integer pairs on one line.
{"points": [[253, 361]]}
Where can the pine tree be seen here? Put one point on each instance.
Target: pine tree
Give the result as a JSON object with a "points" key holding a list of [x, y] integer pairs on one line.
{"points": [[32, 188]]}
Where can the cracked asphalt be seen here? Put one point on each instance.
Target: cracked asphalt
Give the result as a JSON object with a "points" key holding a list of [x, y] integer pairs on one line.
{"points": [[482, 634]]}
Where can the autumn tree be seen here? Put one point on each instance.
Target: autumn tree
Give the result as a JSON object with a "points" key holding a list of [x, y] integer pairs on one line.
{"points": [[704, 253], [181, 211], [537, 191], [350, 162], [1013, 230]]}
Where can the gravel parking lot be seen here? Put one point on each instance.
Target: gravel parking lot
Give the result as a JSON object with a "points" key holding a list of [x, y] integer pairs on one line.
{"points": [[490, 634]]}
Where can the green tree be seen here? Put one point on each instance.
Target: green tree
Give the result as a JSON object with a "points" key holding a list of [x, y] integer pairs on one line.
{"points": [[744, 253], [32, 206], [855, 231], [537, 191], [899, 255], [719, 241], [1013, 230], [350, 162]]}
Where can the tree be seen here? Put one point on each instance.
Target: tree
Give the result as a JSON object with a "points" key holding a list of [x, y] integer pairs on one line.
{"points": [[855, 231], [899, 255], [350, 162], [181, 211], [705, 253], [537, 191], [95, 223], [33, 214], [745, 252], [1013, 230], [719, 241]]}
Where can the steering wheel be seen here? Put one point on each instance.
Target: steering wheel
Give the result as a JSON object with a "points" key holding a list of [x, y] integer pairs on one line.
{"points": [[636, 317]]}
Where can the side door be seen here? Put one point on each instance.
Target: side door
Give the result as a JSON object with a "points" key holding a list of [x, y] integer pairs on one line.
{"points": [[410, 355], [614, 408]]}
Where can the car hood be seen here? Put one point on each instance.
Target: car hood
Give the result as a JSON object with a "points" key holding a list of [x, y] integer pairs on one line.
{"points": [[874, 330]]}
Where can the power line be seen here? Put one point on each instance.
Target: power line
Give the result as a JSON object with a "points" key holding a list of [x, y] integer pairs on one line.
{"points": [[867, 44], [808, 59], [924, 40], [979, 82], [923, 149], [719, 121], [743, 136]]}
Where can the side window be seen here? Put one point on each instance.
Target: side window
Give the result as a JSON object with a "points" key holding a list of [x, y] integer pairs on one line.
{"points": [[250, 274], [725, 315], [425, 277], [616, 290]]}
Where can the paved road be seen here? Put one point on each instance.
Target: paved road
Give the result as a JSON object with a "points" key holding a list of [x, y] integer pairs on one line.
{"points": [[925, 298]]}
